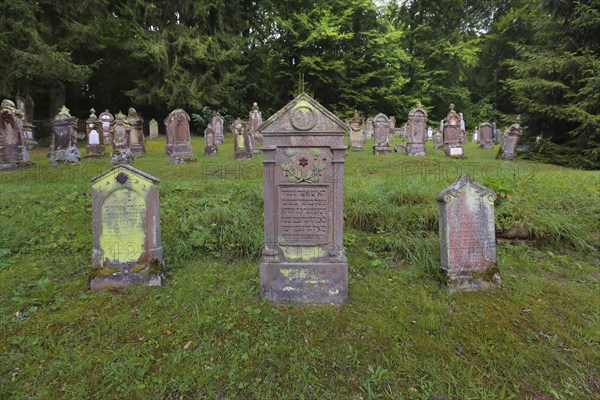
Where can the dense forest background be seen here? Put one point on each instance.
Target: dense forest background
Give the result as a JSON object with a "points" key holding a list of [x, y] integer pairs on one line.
{"points": [[492, 58]]}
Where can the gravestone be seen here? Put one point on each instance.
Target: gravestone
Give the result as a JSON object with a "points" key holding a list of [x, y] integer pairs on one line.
{"points": [[107, 124], [508, 147], [13, 149], [497, 136], [392, 126], [217, 124], [254, 122], [416, 131], [356, 135], [210, 148], [438, 141], [303, 259], [136, 140], [369, 128], [242, 146], [467, 235], [453, 135], [179, 146], [381, 132], [126, 226], [95, 137], [462, 128], [153, 129], [64, 138], [476, 137], [486, 136], [25, 115], [121, 134], [429, 133]]}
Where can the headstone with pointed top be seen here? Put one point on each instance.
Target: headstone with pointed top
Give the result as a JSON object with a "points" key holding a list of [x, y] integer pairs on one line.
{"points": [[64, 138], [121, 135], [153, 126], [303, 258], [126, 228], [217, 124], [356, 135], [179, 146], [210, 148], [416, 131], [95, 138], [107, 125], [381, 133], [467, 235], [508, 147], [242, 145]]}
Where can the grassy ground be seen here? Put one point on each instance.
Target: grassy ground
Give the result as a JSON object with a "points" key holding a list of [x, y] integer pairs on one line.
{"points": [[207, 334]]}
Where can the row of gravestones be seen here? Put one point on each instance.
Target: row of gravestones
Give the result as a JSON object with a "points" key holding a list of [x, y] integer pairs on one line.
{"points": [[451, 137], [303, 259]]}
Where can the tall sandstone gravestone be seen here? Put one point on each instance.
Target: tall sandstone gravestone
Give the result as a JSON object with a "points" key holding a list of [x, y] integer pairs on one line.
{"points": [[242, 141], [217, 124], [381, 133], [486, 136], [210, 148], [95, 137], [467, 235], [13, 149], [453, 134], [303, 259], [126, 226], [136, 133], [107, 124], [508, 147], [356, 135], [369, 128], [120, 136], [179, 146], [64, 138], [416, 131], [254, 122]]}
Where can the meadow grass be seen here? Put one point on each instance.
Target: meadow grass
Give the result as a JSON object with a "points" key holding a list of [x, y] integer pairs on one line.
{"points": [[207, 333]]}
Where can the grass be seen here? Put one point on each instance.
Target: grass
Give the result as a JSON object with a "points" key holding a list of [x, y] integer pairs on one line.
{"points": [[207, 333]]}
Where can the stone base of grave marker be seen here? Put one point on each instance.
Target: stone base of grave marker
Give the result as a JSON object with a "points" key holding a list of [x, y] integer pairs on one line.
{"points": [[138, 150], [400, 148], [380, 150], [117, 157], [181, 153], [415, 149], [95, 151]]}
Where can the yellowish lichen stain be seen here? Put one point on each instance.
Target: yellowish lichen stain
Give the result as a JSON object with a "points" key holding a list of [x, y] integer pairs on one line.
{"points": [[304, 253], [123, 214]]}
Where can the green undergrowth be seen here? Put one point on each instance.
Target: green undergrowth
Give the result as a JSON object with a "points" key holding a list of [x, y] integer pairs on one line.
{"points": [[207, 334]]}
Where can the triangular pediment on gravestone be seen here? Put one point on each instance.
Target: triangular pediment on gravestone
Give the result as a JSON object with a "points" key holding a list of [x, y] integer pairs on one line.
{"points": [[303, 115], [126, 172], [451, 192]]}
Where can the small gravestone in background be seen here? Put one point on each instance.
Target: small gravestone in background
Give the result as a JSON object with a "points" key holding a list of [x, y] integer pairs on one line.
{"points": [[120, 141], [369, 128], [438, 141], [475, 138], [210, 148], [13, 149], [126, 226], [416, 134], [486, 136], [467, 235], [303, 258], [357, 133], [25, 116], [217, 124], [136, 140], [242, 149], [153, 125], [429, 133], [93, 131], [508, 147], [179, 146], [453, 134], [381, 132], [392, 126], [64, 138], [254, 122], [107, 125]]}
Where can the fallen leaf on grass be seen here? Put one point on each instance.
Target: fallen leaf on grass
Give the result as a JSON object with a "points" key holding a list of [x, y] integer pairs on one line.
{"points": [[187, 345]]}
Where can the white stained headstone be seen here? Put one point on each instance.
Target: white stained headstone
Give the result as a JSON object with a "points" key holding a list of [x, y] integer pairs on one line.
{"points": [[429, 133], [94, 137], [462, 122], [442, 125]]}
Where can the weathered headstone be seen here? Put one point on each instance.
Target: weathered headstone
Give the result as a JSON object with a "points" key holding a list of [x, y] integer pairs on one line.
{"points": [[392, 126], [136, 140], [153, 125], [416, 131], [486, 136], [126, 226], [242, 149], [429, 133], [254, 122], [497, 135], [453, 135], [179, 146], [381, 132], [467, 235], [107, 125], [13, 149], [303, 258], [508, 147], [64, 138], [476, 137], [369, 128], [438, 141], [217, 124], [357, 133], [210, 148], [95, 137], [120, 141]]}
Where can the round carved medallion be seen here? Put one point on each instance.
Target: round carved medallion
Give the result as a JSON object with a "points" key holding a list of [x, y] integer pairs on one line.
{"points": [[303, 118]]}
